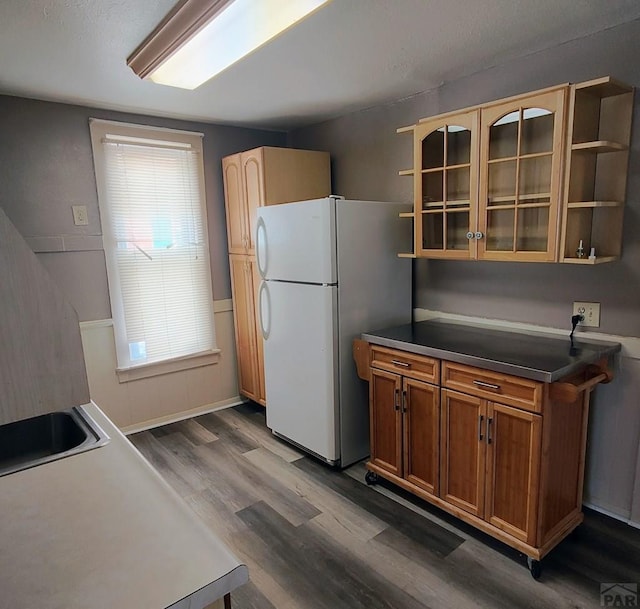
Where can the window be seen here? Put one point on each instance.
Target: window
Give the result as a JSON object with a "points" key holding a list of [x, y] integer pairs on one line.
{"points": [[152, 208]]}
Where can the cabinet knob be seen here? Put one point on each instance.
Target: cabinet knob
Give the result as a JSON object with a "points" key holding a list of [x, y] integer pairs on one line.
{"points": [[470, 235], [479, 235]]}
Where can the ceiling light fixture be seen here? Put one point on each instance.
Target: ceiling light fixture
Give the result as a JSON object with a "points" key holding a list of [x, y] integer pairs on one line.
{"points": [[200, 38]]}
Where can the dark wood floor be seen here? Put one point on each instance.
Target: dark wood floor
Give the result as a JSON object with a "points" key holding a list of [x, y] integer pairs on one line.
{"points": [[315, 538]]}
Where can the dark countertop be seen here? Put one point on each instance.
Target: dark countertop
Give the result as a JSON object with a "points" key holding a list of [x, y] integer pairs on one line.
{"points": [[539, 357]]}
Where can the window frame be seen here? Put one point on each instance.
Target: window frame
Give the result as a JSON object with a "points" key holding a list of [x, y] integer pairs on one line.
{"points": [[99, 129]]}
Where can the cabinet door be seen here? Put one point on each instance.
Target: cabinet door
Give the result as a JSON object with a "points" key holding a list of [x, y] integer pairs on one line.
{"points": [[235, 206], [421, 408], [386, 420], [256, 279], [245, 327], [446, 186], [253, 177], [463, 451], [521, 151], [513, 469]]}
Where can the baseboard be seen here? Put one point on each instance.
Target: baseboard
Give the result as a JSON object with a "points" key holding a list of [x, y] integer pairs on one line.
{"points": [[621, 518], [181, 416]]}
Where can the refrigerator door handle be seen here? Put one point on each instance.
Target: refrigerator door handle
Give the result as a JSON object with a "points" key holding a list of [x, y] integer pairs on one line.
{"points": [[261, 245], [263, 293]]}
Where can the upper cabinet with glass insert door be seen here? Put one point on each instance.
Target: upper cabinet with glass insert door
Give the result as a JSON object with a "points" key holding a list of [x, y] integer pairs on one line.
{"points": [[520, 177], [446, 185], [539, 177]]}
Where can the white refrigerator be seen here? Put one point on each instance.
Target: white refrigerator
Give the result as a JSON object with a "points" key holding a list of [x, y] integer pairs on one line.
{"points": [[330, 272]]}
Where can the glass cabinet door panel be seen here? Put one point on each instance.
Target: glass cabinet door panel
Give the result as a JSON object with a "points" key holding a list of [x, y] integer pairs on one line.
{"points": [[458, 145], [521, 146], [503, 136], [445, 178], [432, 190], [433, 231], [502, 180], [500, 230], [458, 186], [535, 176], [433, 150], [532, 229], [537, 131], [457, 229]]}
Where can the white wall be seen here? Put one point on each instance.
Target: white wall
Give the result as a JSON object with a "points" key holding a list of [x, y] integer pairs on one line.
{"points": [[139, 404]]}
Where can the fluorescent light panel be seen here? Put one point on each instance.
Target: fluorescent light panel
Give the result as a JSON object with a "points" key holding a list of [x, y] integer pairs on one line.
{"points": [[239, 29]]}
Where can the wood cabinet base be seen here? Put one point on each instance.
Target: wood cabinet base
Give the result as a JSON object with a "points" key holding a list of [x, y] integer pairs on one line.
{"points": [[531, 551], [504, 454]]}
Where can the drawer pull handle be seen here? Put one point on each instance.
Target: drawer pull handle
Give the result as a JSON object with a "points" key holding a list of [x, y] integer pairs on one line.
{"points": [[487, 385], [480, 420], [397, 362]]}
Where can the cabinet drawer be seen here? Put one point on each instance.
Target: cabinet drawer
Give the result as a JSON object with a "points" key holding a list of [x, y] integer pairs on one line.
{"points": [[408, 364], [503, 388]]}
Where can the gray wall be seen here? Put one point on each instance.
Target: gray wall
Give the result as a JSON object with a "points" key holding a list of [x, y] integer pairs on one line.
{"points": [[367, 154], [46, 165]]}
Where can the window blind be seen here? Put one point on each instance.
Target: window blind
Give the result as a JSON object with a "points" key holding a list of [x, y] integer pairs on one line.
{"points": [[156, 242]]}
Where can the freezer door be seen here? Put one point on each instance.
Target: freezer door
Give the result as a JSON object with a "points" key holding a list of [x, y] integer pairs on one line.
{"points": [[296, 241], [298, 323]]}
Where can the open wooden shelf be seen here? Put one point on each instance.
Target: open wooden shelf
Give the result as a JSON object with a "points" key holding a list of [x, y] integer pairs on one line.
{"points": [[592, 204], [604, 87], [405, 172], [408, 129], [406, 255], [598, 140], [599, 146], [590, 261], [407, 214]]}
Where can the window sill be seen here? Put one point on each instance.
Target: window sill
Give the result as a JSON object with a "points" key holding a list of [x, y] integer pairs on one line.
{"points": [[144, 371]]}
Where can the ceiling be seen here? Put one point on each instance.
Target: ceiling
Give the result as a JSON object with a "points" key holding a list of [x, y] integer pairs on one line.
{"points": [[350, 55]]}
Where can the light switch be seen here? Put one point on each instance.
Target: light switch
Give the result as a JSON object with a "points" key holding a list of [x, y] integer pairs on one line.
{"points": [[80, 216]]}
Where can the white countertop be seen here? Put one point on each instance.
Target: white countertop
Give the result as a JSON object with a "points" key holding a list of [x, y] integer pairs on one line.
{"points": [[102, 529]]}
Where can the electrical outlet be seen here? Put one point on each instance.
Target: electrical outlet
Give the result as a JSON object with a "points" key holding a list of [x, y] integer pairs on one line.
{"points": [[80, 216], [590, 311]]}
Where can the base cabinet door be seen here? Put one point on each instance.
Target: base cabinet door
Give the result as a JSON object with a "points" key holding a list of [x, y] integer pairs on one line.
{"points": [[245, 327], [386, 420], [421, 411], [462, 467], [513, 466]]}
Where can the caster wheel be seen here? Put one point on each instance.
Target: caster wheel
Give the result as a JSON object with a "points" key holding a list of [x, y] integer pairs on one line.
{"points": [[535, 567], [371, 478]]}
